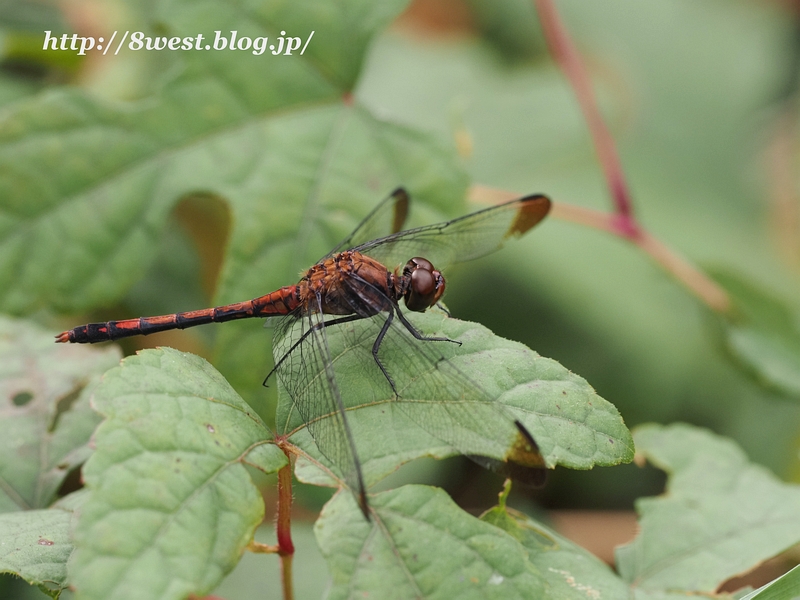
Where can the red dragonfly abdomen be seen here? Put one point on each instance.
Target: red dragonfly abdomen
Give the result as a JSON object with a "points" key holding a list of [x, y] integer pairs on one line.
{"points": [[279, 302]]}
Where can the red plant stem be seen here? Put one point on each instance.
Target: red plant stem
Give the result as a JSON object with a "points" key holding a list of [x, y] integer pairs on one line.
{"points": [[566, 55], [283, 528], [622, 223]]}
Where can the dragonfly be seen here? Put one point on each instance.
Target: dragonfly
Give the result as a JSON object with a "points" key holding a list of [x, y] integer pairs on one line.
{"points": [[362, 282]]}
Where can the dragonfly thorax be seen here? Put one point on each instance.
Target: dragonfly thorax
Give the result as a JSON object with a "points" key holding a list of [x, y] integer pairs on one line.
{"points": [[421, 285]]}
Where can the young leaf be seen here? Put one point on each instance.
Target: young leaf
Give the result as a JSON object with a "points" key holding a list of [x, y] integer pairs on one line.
{"points": [[571, 572], [720, 517], [450, 407], [45, 419], [421, 545], [171, 505]]}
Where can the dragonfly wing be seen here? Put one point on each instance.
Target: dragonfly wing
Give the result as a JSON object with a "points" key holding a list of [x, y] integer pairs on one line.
{"points": [[308, 377], [441, 399], [386, 218], [462, 239]]}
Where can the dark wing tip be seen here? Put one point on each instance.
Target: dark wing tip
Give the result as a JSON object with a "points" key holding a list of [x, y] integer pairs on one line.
{"points": [[532, 209], [401, 203], [526, 463]]}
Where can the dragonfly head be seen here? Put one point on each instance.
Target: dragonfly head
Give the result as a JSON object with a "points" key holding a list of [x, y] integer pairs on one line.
{"points": [[424, 284]]}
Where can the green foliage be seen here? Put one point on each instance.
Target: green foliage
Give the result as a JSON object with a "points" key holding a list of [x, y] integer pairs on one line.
{"points": [[568, 571], [46, 421], [721, 514], [763, 334], [45, 426], [172, 506], [298, 149], [421, 545], [572, 425]]}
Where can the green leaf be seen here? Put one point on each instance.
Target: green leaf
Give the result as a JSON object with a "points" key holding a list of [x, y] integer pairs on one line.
{"points": [[35, 545], [45, 419], [785, 586], [721, 515], [420, 545], [441, 415], [171, 506], [570, 571], [762, 335]]}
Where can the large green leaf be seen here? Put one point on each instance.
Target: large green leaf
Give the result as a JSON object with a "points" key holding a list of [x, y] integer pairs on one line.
{"points": [[88, 184], [45, 419], [721, 516], [420, 545], [572, 425], [171, 505]]}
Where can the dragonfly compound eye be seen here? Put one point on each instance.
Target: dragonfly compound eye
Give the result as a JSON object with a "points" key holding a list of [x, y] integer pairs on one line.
{"points": [[426, 286]]}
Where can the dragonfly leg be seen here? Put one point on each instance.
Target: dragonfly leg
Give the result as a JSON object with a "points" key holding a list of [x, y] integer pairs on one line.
{"points": [[413, 330], [378, 340], [316, 327], [442, 308], [377, 345]]}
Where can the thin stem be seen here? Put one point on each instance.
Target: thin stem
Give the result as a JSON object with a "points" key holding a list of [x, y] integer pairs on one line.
{"points": [[566, 55], [259, 548], [622, 223], [785, 204], [283, 528]]}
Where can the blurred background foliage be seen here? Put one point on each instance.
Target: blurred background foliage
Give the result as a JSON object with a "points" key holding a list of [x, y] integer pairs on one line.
{"points": [[701, 98]]}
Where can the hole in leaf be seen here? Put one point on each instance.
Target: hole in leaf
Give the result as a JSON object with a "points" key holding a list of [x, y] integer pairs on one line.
{"points": [[22, 398], [71, 483]]}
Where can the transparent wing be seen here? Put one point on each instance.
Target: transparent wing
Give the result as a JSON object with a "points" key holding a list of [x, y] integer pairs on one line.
{"points": [[307, 375], [437, 396], [462, 239], [386, 218]]}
